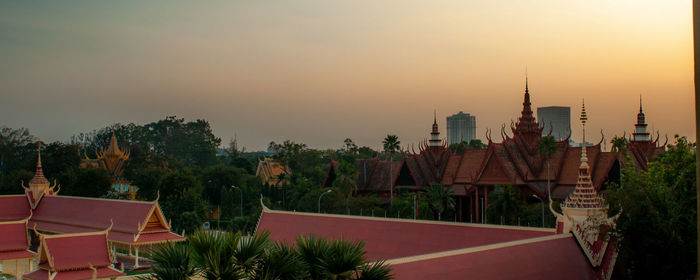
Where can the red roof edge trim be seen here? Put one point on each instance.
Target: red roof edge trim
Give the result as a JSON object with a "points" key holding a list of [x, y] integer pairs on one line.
{"points": [[476, 225], [475, 249]]}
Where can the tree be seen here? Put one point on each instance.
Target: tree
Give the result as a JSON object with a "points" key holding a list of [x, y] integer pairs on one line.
{"points": [[350, 146], [391, 145], [506, 202], [171, 261], [619, 145], [87, 182], [547, 147], [225, 255], [476, 144], [346, 175], [439, 199], [656, 231]]}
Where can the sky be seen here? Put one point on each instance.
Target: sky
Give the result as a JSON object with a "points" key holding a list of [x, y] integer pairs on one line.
{"points": [[318, 72]]}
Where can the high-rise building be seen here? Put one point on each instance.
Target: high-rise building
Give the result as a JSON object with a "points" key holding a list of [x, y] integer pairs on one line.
{"points": [[461, 127], [558, 117]]}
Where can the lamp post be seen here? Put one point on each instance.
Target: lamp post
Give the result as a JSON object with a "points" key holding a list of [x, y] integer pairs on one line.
{"points": [[541, 201], [319, 199], [241, 191]]}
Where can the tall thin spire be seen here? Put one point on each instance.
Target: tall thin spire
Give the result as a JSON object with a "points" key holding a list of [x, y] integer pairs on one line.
{"points": [[527, 123], [435, 133], [584, 118], [640, 103]]}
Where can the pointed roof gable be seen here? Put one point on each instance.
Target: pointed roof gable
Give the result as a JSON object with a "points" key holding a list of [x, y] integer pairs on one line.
{"points": [[38, 185], [59, 259], [134, 222]]}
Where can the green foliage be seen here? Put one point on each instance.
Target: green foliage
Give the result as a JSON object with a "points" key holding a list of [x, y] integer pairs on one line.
{"points": [[458, 148], [171, 261], [187, 209], [391, 144], [439, 198], [656, 230], [504, 202], [87, 182], [224, 255], [619, 145]]}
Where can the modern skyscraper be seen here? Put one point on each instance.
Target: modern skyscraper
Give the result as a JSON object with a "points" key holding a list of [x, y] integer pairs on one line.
{"points": [[461, 127], [559, 117]]}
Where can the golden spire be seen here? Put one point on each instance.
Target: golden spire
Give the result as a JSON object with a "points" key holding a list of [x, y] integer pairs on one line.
{"points": [[38, 180], [584, 118], [113, 148]]}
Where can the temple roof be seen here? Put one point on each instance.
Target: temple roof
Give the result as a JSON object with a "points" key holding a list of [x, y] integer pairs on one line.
{"points": [[419, 249], [387, 238], [59, 259], [14, 207], [549, 257], [270, 170], [134, 222], [14, 243]]}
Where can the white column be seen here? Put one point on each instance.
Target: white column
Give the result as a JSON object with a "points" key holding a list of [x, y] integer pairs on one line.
{"points": [[136, 260]]}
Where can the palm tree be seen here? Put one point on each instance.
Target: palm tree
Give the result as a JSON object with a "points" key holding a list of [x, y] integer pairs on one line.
{"points": [[345, 180], [213, 254], [391, 145], [171, 261], [439, 199], [506, 202], [281, 262], [375, 271], [619, 145], [547, 147], [312, 250], [343, 259]]}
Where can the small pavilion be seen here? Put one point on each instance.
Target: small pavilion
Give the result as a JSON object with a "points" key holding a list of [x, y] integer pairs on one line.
{"points": [[59, 259], [15, 256]]}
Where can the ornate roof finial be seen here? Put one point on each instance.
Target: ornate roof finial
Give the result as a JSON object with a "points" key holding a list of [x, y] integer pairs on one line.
{"points": [[584, 118], [640, 103]]}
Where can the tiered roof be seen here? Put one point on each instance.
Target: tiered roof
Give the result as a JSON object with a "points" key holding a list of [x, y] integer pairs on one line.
{"points": [[584, 195], [14, 243], [515, 160], [134, 222], [74, 257], [270, 170]]}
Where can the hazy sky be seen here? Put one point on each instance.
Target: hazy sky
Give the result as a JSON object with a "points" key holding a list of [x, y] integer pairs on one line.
{"points": [[318, 72]]}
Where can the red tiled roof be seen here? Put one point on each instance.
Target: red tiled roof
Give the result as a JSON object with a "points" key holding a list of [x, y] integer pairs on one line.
{"points": [[389, 238], [14, 207], [13, 236], [102, 272], [555, 257], [94, 213], [93, 250], [19, 254]]}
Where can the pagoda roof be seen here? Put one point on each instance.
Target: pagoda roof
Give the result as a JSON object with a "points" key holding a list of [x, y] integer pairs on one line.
{"points": [[60, 259], [14, 207], [387, 238], [134, 222], [14, 243]]}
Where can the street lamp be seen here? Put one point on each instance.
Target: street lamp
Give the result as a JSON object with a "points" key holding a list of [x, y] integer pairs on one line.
{"points": [[319, 199], [541, 201], [240, 190]]}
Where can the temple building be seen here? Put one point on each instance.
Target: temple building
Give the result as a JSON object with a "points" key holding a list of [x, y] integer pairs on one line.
{"points": [[515, 160], [134, 225], [271, 172], [578, 248], [15, 256], [642, 147], [59, 259], [113, 160]]}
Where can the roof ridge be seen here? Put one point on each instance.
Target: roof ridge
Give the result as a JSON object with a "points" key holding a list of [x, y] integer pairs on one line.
{"points": [[469, 250], [107, 199]]}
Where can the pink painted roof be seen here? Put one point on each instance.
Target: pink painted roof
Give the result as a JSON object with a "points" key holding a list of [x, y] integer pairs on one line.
{"points": [[14, 207], [93, 251], [556, 257], [19, 254], [13, 236], [93, 213], [390, 238], [102, 272]]}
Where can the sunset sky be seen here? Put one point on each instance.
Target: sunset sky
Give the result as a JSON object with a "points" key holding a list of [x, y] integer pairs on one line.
{"points": [[318, 72]]}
